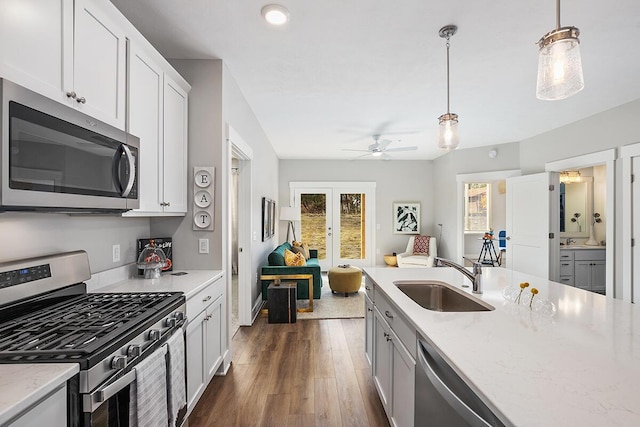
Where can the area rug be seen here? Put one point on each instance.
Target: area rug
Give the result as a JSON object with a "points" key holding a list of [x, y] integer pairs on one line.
{"points": [[334, 306]]}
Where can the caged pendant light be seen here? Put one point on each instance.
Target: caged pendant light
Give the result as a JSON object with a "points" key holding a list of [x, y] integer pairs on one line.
{"points": [[559, 63], [448, 129]]}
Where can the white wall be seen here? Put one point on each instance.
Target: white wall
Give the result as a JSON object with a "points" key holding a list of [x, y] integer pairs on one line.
{"points": [[238, 114], [26, 234], [462, 161], [205, 136], [396, 181]]}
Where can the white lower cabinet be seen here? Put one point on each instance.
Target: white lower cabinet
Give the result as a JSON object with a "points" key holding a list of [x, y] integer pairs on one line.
{"points": [[51, 411], [368, 338], [394, 366], [205, 339]]}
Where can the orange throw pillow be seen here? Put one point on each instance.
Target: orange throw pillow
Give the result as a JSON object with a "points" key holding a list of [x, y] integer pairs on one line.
{"points": [[292, 259]]}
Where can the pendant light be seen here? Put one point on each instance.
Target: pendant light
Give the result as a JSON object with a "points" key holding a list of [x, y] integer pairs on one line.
{"points": [[559, 63], [448, 129]]}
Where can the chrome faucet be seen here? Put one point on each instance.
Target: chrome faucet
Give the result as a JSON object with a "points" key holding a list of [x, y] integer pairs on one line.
{"points": [[570, 241], [475, 277]]}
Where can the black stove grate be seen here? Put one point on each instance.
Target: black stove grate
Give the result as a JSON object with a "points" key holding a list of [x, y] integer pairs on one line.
{"points": [[79, 327]]}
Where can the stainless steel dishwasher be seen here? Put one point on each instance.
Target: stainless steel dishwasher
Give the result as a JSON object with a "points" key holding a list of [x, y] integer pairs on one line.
{"points": [[443, 398]]}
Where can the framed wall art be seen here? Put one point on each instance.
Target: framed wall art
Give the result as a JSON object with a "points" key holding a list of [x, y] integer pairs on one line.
{"points": [[406, 218], [268, 218]]}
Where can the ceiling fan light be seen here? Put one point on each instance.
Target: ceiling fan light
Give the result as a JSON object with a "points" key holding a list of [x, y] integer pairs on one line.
{"points": [[376, 153], [275, 14], [559, 65], [448, 138]]}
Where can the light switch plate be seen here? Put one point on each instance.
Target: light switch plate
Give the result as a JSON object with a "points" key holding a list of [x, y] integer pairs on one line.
{"points": [[115, 250], [203, 246]]}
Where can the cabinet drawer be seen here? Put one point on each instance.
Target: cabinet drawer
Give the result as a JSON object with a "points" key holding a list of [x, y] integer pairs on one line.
{"points": [[566, 255], [398, 323], [590, 255], [369, 288], [204, 298], [566, 280], [566, 268]]}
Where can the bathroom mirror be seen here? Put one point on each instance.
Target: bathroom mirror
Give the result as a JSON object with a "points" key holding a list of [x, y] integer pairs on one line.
{"points": [[575, 208]]}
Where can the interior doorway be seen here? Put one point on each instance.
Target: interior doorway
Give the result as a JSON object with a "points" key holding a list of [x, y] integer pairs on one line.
{"points": [[239, 263], [337, 219], [469, 230]]}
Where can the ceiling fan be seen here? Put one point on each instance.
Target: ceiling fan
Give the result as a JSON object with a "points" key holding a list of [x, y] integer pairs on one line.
{"points": [[379, 149]]}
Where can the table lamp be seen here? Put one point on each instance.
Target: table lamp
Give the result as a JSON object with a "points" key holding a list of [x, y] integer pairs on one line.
{"points": [[290, 214]]}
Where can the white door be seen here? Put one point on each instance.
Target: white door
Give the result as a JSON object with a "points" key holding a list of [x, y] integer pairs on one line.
{"points": [[337, 223], [532, 214], [635, 230]]}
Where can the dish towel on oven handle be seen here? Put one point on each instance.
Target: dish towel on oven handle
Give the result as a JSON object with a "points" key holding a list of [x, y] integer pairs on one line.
{"points": [[148, 393], [176, 387]]}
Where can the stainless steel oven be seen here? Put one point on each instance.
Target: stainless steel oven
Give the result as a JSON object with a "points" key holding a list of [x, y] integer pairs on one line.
{"points": [[56, 158], [46, 316]]}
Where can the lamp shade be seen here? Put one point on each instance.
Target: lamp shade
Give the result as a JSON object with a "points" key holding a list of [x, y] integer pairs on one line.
{"points": [[448, 132], [290, 213], [559, 69]]}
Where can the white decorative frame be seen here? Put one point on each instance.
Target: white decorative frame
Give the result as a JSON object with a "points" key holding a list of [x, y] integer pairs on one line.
{"points": [[406, 218]]}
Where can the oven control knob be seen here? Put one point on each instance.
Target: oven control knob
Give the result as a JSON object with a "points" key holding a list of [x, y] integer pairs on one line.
{"points": [[170, 322], [134, 350], [119, 362], [154, 335], [178, 315]]}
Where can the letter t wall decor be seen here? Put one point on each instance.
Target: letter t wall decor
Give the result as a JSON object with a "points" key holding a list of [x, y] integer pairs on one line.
{"points": [[203, 193]]}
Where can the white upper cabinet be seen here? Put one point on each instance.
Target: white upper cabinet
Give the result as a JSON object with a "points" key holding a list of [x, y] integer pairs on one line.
{"points": [[99, 67], [175, 147], [36, 45], [72, 53], [145, 122], [157, 114]]}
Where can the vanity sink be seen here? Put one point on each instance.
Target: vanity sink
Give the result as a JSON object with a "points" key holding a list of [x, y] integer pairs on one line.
{"points": [[439, 296]]}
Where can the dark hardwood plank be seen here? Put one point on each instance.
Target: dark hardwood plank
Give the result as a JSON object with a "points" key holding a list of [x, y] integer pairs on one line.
{"points": [[309, 373]]}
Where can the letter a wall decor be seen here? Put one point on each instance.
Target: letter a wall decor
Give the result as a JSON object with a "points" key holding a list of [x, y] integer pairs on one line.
{"points": [[203, 193]]}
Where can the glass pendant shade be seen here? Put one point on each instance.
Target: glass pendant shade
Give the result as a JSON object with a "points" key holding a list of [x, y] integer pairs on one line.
{"points": [[559, 65], [448, 132]]}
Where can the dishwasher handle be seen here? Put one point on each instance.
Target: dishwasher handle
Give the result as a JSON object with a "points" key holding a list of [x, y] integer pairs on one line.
{"points": [[447, 394]]}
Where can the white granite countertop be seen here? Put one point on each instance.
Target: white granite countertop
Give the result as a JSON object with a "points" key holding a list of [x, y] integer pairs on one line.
{"points": [[22, 385], [189, 283], [578, 368], [580, 247]]}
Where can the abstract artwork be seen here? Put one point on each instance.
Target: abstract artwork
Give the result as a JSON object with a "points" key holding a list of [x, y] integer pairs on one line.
{"points": [[406, 218]]}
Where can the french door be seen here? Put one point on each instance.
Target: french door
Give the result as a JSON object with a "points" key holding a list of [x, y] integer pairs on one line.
{"points": [[337, 220]]}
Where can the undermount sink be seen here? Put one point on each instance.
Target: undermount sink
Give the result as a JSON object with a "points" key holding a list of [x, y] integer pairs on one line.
{"points": [[439, 296]]}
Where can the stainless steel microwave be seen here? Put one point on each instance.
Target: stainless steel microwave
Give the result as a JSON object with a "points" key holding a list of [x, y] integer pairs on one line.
{"points": [[56, 158]]}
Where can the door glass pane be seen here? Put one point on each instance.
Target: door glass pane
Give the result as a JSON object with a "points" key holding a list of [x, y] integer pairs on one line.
{"points": [[352, 226], [476, 206], [313, 220]]}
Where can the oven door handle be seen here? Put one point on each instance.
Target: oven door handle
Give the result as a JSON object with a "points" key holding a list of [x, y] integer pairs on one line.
{"points": [[94, 400]]}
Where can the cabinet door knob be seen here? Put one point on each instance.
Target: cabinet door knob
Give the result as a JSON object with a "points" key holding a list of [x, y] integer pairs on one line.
{"points": [[81, 100], [71, 95], [207, 298], [388, 314], [368, 309]]}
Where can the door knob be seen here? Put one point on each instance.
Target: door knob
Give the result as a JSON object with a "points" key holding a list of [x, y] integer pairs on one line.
{"points": [[508, 238]]}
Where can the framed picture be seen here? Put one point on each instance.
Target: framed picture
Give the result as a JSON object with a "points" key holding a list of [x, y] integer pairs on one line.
{"points": [[268, 218], [406, 218]]}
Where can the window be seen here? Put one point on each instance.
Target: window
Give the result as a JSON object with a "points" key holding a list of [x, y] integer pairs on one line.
{"points": [[477, 204]]}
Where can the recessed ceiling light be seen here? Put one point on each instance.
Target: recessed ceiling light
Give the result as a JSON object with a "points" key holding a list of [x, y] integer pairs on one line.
{"points": [[275, 14]]}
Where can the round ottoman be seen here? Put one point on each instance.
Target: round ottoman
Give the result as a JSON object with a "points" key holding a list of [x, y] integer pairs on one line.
{"points": [[345, 279]]}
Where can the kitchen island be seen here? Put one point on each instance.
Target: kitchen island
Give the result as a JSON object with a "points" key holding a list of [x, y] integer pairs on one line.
{"points": [[580, 367]]}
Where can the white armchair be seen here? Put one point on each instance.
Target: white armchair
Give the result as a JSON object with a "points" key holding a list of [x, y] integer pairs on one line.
{"points": [[409, 259]]}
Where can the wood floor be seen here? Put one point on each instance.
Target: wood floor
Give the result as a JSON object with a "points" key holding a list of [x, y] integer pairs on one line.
{"points": [[309, 373]]}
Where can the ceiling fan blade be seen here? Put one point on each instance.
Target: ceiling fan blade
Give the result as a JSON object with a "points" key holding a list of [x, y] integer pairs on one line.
{"points": [[402, 149], [359, 157], [353, 149], [385, 156], [384, 143]]}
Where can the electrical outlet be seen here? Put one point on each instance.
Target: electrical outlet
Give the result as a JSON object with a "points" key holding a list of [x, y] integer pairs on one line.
{"points": [[203, 246], [116, 253]]}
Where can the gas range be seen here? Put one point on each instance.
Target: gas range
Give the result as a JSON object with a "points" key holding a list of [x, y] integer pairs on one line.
{"points": [[47, 317]]}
